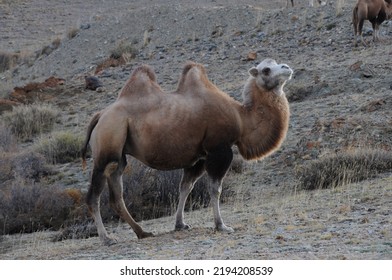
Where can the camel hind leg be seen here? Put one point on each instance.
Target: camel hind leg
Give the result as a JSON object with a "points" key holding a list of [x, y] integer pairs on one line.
{"points": [[98, 181], [189, 178], [114, 178], [217, 163]]}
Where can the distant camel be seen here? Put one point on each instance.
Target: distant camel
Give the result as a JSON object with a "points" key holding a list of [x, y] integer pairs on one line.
{"points": [[376, 11], [192, 128]]}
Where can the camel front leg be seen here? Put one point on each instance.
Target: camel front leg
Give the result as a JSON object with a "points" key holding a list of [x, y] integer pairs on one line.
{"points": [[215, 189], [217, 163], [189, 178]]}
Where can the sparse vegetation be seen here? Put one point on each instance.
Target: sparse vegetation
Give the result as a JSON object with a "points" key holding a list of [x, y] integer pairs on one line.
{"points": [[120, 55], [344, 168], [146, 38], [7, 139], [29, 120], [60, 147], [71, 33], [123, 48], [25, 165], [30, 207], [7, 60], [339, 7]]}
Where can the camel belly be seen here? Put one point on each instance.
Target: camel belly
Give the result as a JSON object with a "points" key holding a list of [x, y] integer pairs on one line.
{"points": [[165, 148], [166, 156]]}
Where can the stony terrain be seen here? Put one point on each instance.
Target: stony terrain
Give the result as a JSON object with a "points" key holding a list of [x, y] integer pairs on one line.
{"points": [[340, 100]]}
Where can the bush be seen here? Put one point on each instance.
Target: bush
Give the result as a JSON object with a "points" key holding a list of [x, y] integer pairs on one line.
{"points": [[27, 208], [344, 168], [122, 49], [26, 166], [29, 120], [7, 139], [60, 147], [71, 33], [7, 60]]}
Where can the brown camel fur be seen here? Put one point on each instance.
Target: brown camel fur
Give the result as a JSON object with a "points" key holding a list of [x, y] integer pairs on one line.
{"points": [[376, 11], [192, 128]]}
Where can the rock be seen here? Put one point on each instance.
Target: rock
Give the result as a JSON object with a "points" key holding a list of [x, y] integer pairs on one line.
{"points": [[100, 89], [85, 26], [251, 56], [92, 82]]}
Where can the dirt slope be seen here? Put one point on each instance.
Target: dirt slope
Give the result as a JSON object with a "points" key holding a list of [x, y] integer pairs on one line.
{"points": [[340, 99]]}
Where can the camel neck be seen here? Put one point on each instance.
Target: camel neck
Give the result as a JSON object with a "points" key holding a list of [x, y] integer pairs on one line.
{"points": [[265, 120]]}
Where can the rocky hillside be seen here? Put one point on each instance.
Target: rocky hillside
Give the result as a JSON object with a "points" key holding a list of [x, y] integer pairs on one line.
{"points": [[340, 99]]}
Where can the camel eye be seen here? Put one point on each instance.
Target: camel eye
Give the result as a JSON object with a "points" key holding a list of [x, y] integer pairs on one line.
{"points": [[266, 71]]}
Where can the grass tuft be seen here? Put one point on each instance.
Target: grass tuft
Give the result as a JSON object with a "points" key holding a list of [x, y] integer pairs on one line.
{"points": [[73, 32], [344, 168], [29, 120], [123, 48], [7, 139], [7, 60], [60, 147]]}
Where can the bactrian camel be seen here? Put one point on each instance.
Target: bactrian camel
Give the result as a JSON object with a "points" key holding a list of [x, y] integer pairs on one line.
{"points": [[193, 128], [376, 11]]}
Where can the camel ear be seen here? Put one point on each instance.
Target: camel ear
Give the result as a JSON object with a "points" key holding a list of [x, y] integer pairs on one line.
{"points": [[253, 72]]}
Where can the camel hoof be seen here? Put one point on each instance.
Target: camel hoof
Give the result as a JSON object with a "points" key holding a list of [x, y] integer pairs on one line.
{"points": [[225, 229], [145, 235], [182, 227]]}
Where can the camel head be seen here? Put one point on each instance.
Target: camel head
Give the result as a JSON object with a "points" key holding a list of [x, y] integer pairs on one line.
{"points": [[271, 76]]}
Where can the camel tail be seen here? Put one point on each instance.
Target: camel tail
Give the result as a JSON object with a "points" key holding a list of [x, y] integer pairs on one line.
{"points": [[90, 129]]}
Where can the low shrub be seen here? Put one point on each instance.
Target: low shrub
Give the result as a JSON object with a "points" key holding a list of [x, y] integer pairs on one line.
{"points": [[344, 168], [71, 33], [30, 166], [7, 139], [123, 48], [28, 120], [60, 147], [7, 60], [26, 208]]}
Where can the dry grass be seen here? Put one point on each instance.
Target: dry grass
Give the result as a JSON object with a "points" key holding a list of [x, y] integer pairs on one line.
{"points": [[30, 207], [339, 7], [344, 168], [72, 32], [29, 120], [23, 166], [7, 139], [7, 60], [48, 49], [60, 147], [123, 48]]}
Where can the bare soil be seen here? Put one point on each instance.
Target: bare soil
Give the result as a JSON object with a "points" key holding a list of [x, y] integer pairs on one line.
{"points": [[340, 99]]}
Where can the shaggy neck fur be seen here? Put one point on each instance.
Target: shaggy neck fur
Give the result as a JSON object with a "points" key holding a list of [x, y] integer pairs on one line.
{"points": [[265, 117]]}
